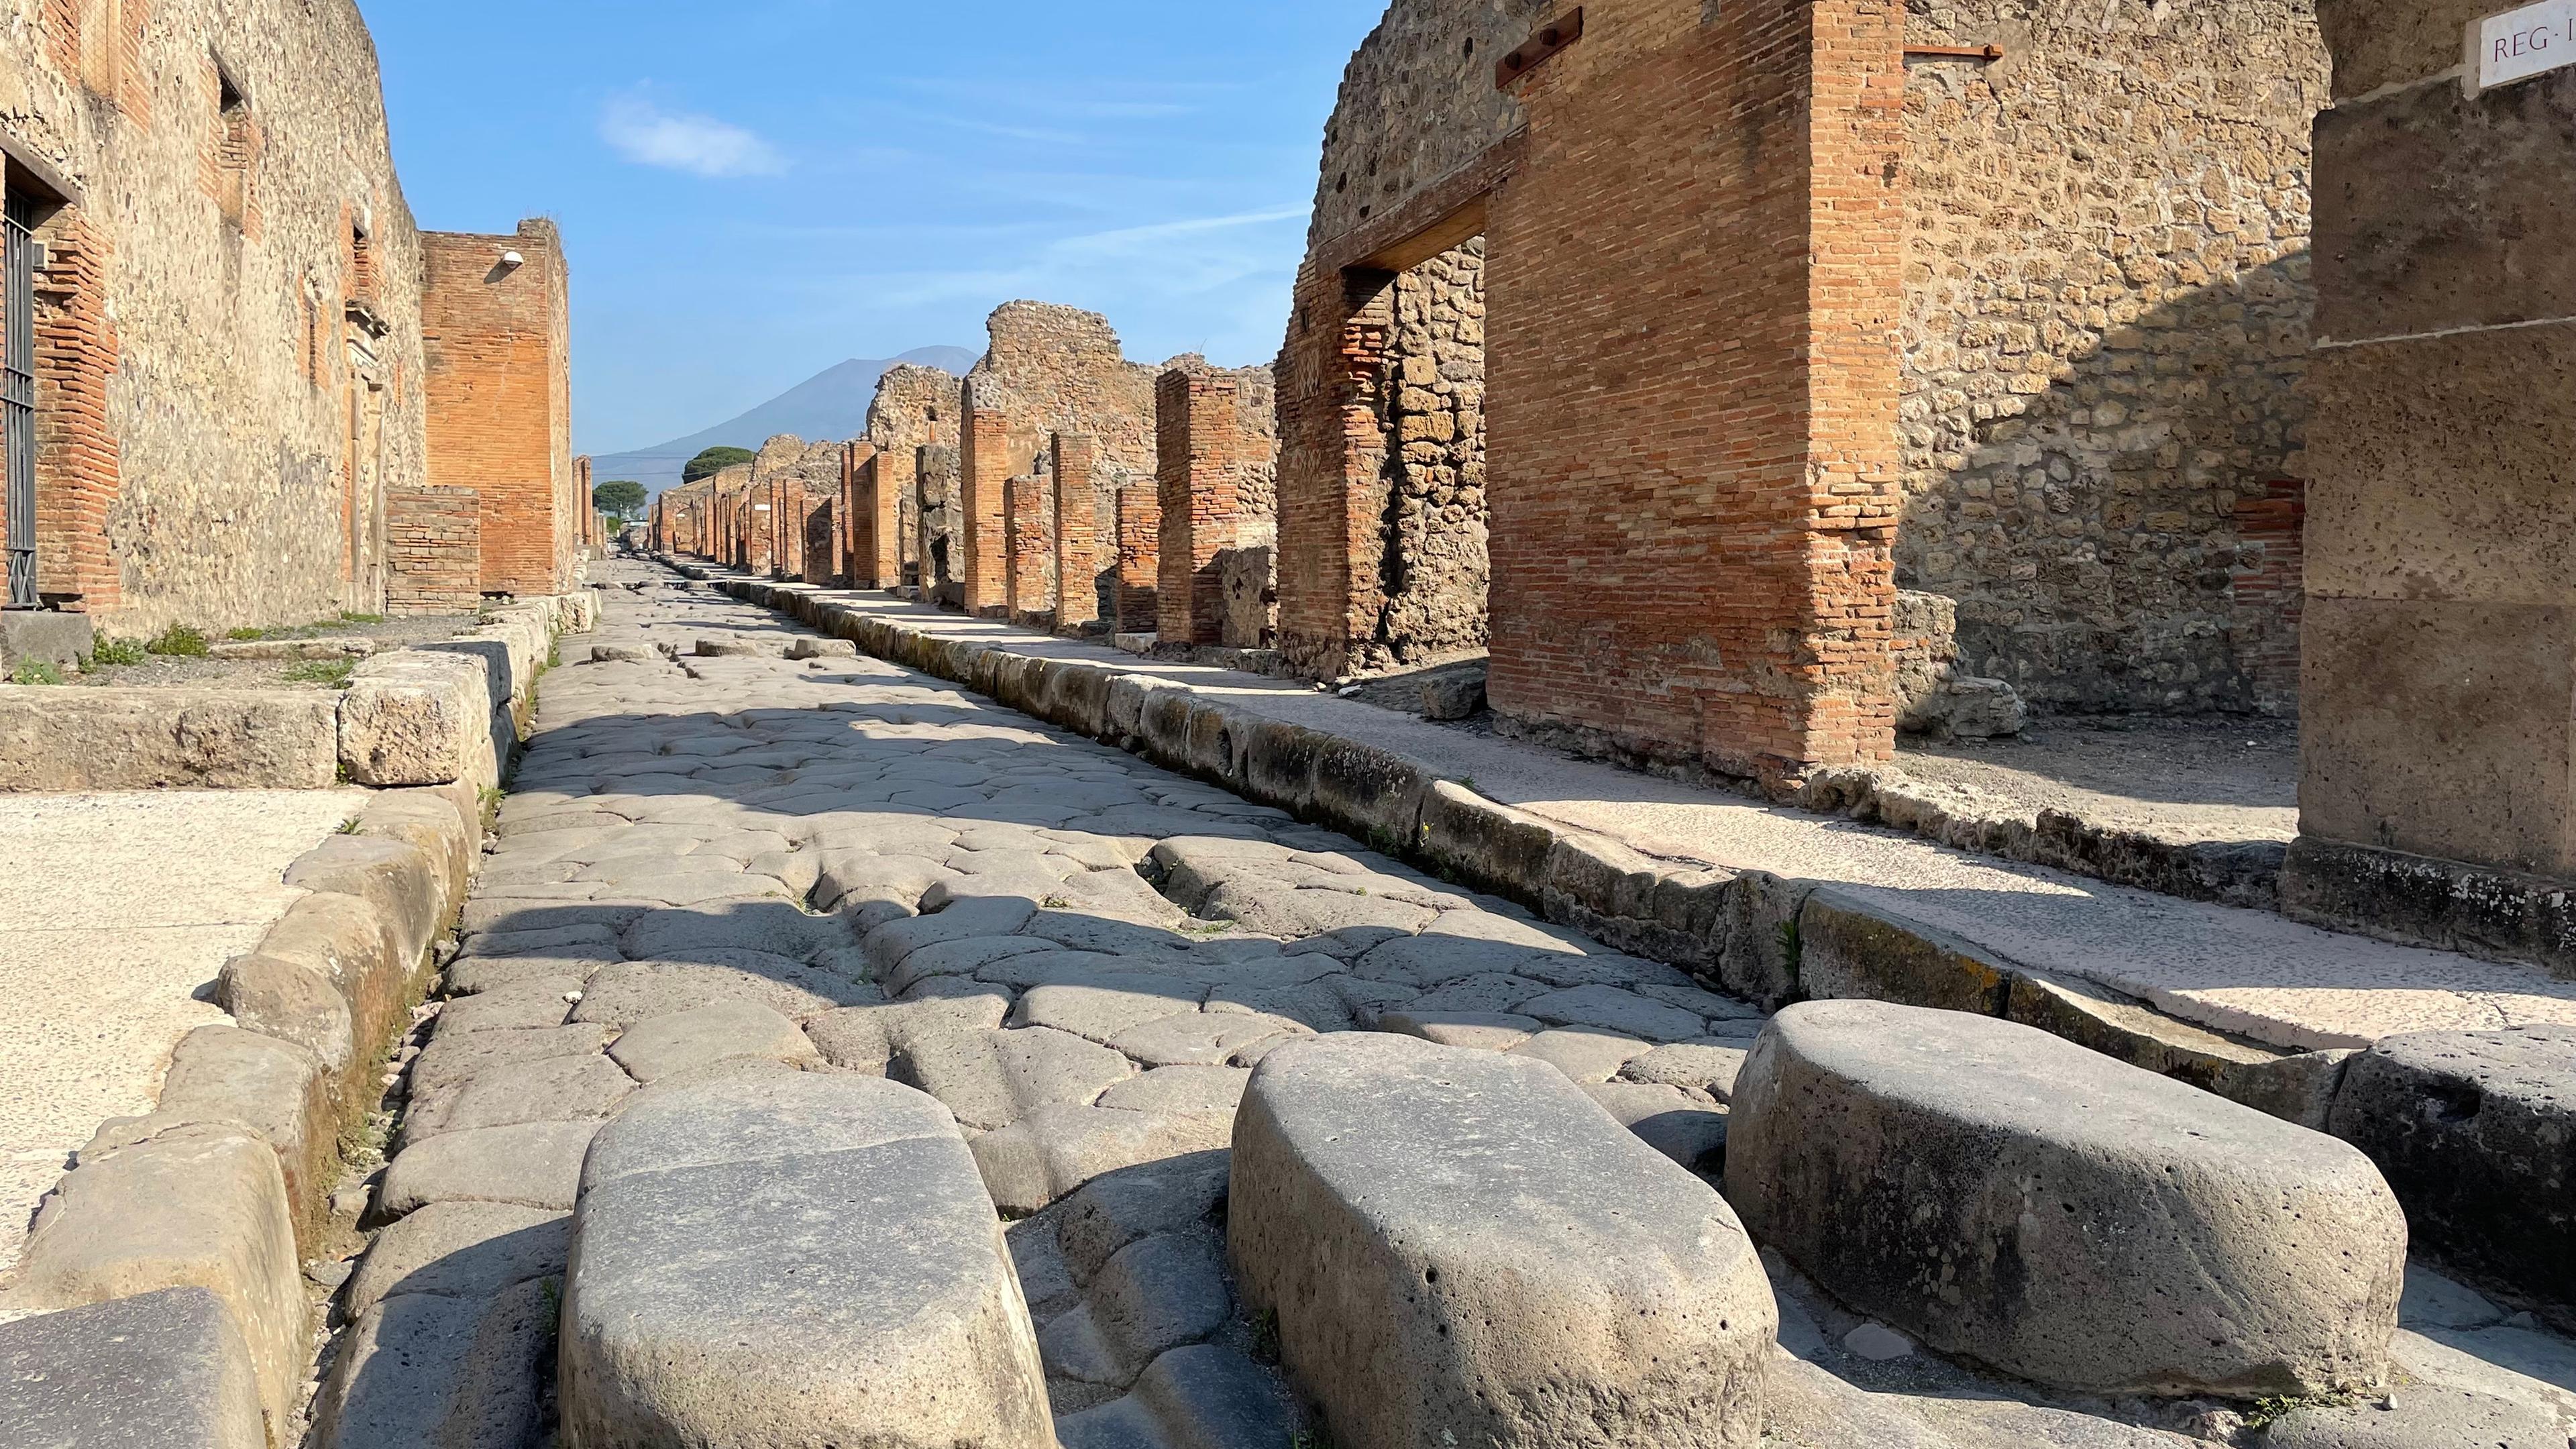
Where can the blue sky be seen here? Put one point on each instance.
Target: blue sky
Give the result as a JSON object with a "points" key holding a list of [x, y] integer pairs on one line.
{"points": [[754, 191]]}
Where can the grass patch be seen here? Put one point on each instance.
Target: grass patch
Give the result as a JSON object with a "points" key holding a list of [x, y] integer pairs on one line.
{"points": [[333, 673], [354, 616], [119, 651], [35, 671], [179, 642], [245, 634], [2266, 1410]]}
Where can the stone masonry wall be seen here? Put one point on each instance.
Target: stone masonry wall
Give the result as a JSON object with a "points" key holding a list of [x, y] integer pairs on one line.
{"points": [[1053, 369], [2106, 323], [498, 343], [916, 407], [1432, 406], [237, 196]]}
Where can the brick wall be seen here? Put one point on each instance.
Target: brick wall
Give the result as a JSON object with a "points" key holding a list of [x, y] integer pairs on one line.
{"points": [[434, 550], [1692, 252], [497, 345], [1077, 561], [983, 465], [1138, 520], [1203, 448], [1028, 532]]}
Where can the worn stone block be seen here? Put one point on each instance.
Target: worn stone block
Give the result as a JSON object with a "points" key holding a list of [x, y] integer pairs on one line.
{"points": [[1490, 847], [419, 717], [277, 1088], [1460, 1241], [2004, 1195], [111, 738], [423, 1371], [791, 1260], [201, 1206], [1850, 948], [160, 1370], [2476, 1132]]}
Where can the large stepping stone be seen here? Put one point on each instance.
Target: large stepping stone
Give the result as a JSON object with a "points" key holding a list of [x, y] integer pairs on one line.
{"points": [[2476, 1131], [788, 1261], [158, 1369], [2008, 1196], [1459, 1243]]}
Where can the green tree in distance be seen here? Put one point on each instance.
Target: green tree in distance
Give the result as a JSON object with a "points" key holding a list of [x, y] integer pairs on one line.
{"points": [[713, 461], [622, 498]]}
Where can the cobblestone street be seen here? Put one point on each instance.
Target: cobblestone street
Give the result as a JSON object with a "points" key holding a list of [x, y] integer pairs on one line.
{"points": [[705, 853]]}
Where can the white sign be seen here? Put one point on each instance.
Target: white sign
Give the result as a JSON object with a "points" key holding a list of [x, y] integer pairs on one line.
{"points": [[2525, 42], [760, 508]]}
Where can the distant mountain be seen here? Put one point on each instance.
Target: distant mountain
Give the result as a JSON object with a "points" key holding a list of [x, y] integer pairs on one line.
{"points": [[831, 404]]}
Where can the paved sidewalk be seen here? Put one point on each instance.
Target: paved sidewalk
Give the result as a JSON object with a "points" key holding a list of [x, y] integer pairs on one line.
{"points": [[2246, 971], [116, 912]]}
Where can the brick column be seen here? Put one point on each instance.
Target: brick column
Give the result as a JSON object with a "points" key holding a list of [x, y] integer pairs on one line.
{"points": [[1332, 465], [2437, 792], [1077, 566], [876, 556], [1198, 433], [1139, 514], [984, 466], [1024, 514]]}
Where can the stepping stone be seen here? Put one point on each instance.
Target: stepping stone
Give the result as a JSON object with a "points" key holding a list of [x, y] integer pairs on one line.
{"points": [[475, 975], [162, 1368], [992, 1079], [537, 1164], [792, 1261], [664, 1046], [2475, 1130], [2088, 1225], [1460, 1244], [1487, 992], [460, 1250], [420, 1371]]}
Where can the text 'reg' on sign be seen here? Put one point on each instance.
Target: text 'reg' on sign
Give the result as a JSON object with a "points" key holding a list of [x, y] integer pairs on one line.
{"points": [[2522, 43]]}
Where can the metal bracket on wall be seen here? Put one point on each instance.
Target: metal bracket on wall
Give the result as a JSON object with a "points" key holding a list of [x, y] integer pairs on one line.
{"points": [[1955, 52], [1552, 37]]}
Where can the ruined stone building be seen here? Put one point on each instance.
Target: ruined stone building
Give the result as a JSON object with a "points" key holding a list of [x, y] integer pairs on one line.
{"points": [[221, 404], [913, 428], [1657, 345]]}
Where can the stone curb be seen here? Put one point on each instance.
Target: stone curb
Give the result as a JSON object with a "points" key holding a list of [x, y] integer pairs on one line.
{"points": [[1769, 939], [230, 1175]]}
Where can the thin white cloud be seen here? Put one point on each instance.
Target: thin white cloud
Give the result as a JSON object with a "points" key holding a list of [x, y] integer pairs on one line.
{"points": [[678, 141]]}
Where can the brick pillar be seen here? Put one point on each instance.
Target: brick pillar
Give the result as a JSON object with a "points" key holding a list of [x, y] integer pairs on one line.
{"points": [[1024, 512], [984, 466], [78, 469], [1077, 565], [1332, 465], [1140, 550], [1198, 433], [2437, 793]]}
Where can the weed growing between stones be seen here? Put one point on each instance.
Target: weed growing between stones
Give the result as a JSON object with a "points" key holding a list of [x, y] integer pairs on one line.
{"points": [[2281, 1406], [179, 642], [119, 651], [352, 616], [35, 671], [245, 634], [330, 673]]}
